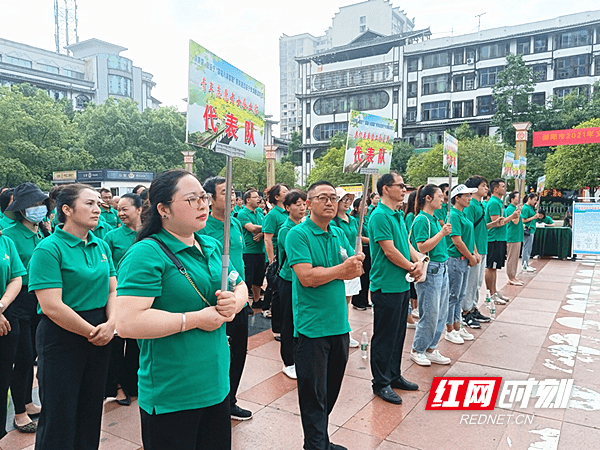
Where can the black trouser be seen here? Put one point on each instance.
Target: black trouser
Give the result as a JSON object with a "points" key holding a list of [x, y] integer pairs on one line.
{"points": [[361, 300], [320, 365], [8, 348], [21, 382], [288, 342], [194, 429], [389, 331], [72, 376], [123, 366], [237, 330]]}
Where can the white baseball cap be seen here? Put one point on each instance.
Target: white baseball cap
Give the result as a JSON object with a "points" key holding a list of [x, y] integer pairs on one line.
{"points": [[461, 189]]}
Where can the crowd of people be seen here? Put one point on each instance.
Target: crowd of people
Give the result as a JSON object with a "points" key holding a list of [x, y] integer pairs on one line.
{"points": [[121, 297]]}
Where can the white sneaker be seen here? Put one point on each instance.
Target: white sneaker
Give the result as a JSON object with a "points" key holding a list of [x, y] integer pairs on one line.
{"points": [[498, 300], [420, 358], [528, 269], [503, 297], [290, 371], [463, 333], [436, 357], [354, 343], [454, 337]]}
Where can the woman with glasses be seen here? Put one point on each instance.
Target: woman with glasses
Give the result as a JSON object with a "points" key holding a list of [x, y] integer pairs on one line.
{"points": [[177, 316], [349, 225], [73, 277]]}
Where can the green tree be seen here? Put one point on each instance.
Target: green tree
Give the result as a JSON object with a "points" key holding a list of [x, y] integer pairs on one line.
{"points": [[480, 155], [36, 137], [575, 166], [511, 96], [329, 166], [293, 154], [247, 173], [400, 155]]}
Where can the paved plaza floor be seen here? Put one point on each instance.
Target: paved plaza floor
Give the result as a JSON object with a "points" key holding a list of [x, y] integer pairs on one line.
{"points": [[551, 329]]}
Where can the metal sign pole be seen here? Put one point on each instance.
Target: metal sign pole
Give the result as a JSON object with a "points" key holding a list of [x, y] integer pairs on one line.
{"points": [[449, 193], [227, 223], [361, 215]]}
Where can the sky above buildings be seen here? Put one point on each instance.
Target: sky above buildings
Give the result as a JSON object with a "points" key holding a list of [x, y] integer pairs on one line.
{"points": [[246, 34]]}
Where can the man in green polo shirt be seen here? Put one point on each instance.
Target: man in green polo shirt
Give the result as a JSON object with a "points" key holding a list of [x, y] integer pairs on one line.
{"points": [[392, 257], [254, 245], [442, 214], [494, 212], [237, 329], [110, 215], [321, 258], [529, 217]]}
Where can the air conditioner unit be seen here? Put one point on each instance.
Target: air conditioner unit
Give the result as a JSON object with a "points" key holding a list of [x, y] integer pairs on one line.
{"points": [[469, 61]]}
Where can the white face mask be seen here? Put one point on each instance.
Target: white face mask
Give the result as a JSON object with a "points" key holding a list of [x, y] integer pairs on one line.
{"points": [[35, 214]]}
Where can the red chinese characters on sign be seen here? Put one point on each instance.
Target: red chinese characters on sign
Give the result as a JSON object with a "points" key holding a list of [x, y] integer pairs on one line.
{"points": [[370, 154], [463, 393], [249, 133], [231, 126], [357, 154], [381, 156], [566, 137], [209, 115]]}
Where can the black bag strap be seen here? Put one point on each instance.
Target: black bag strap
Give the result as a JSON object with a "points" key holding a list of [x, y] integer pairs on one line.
{"points": [[481, 218]]}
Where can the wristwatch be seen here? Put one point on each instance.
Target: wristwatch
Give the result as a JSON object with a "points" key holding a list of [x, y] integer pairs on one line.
{"points": [[1, 307]]}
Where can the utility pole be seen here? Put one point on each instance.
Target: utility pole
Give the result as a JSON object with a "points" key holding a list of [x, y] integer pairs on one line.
{"points": [[479, 25], [65, 24]]}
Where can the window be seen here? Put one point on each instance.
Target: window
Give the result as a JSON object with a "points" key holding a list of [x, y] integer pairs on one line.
{"points": [[363, 19], [597, 65], [489, 76], [413, 64], [16, 61], [572, 67], [358, 76], [469, 82], [491, 51], [307, 132], [344, 103], [540, 44], [457, 108], [435, 110], [80, 101], [540, 73], [538, 98], [326, 131], [436, 60], [470, 55], [485, 105], [523, 46], [411, 88], [435, 84], [395, 96], [119, 85], [459, 56], [462, 109], [362, 28], [575, 90], [411, 114], [124, 64], [457, 84], [56, 95], [574, 39], [48, 68], [468, 108]]}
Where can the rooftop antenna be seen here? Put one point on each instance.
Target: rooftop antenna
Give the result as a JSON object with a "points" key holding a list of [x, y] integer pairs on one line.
{"points": [[479, 25], [65, 25]]}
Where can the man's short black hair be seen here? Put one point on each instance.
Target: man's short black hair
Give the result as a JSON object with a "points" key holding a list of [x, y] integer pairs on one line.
{"points": [[211, 183], [495, 183], [386, 179], [475, 181], [443, 186], [313, 186]]}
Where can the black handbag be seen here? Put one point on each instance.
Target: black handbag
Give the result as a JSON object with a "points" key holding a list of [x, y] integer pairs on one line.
{"points": [[272, 272]]}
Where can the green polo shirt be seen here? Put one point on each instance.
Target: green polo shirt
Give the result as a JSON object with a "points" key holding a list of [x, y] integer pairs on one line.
{"points": [[463, 227], [526, 213], [425, 227], [474, 212], [215, 228], [25, 241], [237, 209], [386, 224], [494, 208], [320, 311], [186, 370], [82, 270], [408, 220], [349, 228], [285, 270], [442, 213], [514, 233], [245, 216], [273, 222], [111, 216], [10, 264], [547, 220], [5, 222], [102, 229], [119, 240]]}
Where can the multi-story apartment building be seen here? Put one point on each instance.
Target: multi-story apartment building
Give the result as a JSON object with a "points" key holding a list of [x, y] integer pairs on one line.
{"points": [[94, 72], [449, 80], [376, 16]]}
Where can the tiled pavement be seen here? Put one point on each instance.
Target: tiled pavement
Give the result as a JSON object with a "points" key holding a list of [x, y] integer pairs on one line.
{"points": [[551, 329]]}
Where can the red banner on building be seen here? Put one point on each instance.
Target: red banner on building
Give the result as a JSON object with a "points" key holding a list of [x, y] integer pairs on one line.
{"points": [[566, 137]]}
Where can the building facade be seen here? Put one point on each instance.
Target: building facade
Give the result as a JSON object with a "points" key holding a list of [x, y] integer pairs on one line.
{"points": [[350, 22], [94, 72]]}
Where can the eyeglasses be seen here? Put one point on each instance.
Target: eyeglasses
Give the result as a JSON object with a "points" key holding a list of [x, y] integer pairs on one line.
{"points": [[195, 201], [324, 198], [400, 185], [346, 199]]}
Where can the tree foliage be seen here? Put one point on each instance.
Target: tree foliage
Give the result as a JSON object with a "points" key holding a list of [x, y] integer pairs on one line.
{"points": [[329, 166], [479, 155], [247, 174], [36, 137], [400, 155], [575, 166]]}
